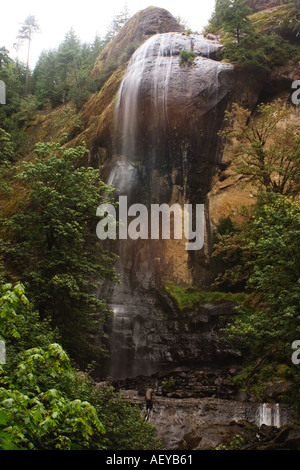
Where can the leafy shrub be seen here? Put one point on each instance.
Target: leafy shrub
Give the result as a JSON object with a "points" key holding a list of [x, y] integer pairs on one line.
{"points": [[186, 57]]}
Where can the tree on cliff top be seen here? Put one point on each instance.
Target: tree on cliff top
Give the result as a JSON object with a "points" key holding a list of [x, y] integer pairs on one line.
{"points": [[232, 17], [27, 30], [118, 21]]}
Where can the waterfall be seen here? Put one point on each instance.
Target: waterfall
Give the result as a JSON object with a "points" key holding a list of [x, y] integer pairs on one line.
{"points": [[271, 414], [162, 112], [153, 61], [141, 64]]}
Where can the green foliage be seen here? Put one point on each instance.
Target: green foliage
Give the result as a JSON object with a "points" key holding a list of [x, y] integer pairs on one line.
{"points": [[266, 146], [7, 148], [124, 427], [26, 32], [269, 265], [225, 225], [232, 16], [249, 43], [259, 373], [30, 417], [168, 385], [45, 419], [117, 23], [53, 246], [27, 110], [11, 298], [186, 57], [13, 74], [65, 74], [236, 443], [28, 28], [46, 404], [106, 71], [260, 52]]}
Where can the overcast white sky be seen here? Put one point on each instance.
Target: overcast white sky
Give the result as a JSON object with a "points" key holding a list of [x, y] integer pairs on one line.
{"points": [[88, 18]]}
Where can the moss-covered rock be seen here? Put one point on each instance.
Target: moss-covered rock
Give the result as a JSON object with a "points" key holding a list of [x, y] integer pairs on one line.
{"points": [[258, 5], [281, 20]]}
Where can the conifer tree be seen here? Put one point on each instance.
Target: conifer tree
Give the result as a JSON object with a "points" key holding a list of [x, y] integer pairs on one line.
{"points": [[27, 30]]}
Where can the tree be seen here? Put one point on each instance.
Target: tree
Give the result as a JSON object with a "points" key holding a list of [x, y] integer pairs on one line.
{"points": [[268, 262], [65, 74], [45, 79], [232, 17], [54, 247], [265, 146], [118, 21], [14, 75], [6, 147], [26, 32], [45, 403], [30, 416], [4, 57]]}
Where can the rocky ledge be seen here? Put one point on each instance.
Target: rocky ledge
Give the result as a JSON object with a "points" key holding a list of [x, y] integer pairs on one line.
{"points": [[210, 423]]}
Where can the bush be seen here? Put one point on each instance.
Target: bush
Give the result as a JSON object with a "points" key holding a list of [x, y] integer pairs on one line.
{"points": [[186, 57]]}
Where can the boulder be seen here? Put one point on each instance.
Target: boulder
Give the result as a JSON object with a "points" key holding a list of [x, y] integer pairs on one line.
{"points": [[277, 389], [139, 28]]}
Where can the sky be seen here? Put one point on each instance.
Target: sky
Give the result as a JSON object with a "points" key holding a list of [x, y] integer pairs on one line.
{"points": [[87, 18]]}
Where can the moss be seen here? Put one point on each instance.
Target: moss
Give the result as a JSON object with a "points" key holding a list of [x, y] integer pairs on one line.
{"points": [[190, 297], [266, 21]]}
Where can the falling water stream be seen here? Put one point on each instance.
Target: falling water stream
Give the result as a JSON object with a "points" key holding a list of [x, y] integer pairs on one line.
{"points": [[271, 414]]}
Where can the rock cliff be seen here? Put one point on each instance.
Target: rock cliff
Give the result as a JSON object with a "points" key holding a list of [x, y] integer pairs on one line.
{"points": [[163, 147], [258, 5]]}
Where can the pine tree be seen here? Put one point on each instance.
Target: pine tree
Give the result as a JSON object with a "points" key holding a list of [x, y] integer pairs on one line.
{"points": [[232, 17], [27, 30], [117, 23]]}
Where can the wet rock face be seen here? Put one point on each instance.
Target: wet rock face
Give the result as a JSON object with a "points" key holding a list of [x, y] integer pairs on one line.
{"points": [[165, 149], [166, 146], [145, 337], [169, 111]]}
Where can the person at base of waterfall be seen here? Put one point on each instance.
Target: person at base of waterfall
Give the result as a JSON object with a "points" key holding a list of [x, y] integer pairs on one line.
{"points": [[149, 400]]}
